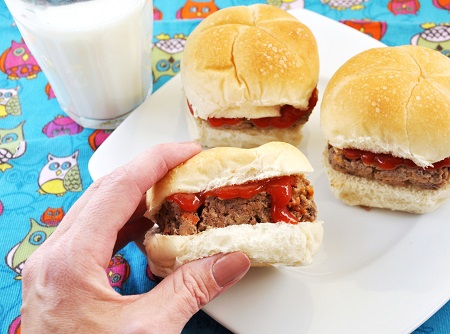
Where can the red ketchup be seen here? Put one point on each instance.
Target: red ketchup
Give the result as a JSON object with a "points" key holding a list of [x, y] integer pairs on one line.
{"points": [[279, 189], [289, 116], [387, 161]]}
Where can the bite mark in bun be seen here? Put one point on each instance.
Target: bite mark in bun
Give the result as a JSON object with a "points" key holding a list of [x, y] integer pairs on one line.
{"points": [[386, 116], [227, 199], [250, 75]]}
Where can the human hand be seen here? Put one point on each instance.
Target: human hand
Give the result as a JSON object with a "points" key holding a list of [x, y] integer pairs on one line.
{"points": [[65, 287]]}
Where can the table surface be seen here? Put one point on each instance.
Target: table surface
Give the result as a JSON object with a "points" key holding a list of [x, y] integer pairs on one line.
{"points": [[31, 110]]}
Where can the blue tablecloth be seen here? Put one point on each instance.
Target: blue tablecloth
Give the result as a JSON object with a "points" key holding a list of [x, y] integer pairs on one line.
{"points": [[29, 112]]}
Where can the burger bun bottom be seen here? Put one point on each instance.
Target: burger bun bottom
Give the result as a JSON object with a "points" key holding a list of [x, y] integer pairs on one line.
{"points": [[263, 243], [355, 190]]}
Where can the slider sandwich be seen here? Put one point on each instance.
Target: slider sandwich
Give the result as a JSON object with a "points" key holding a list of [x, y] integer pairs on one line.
{"points": [[386, 116], [249, 75], [226, 199]]}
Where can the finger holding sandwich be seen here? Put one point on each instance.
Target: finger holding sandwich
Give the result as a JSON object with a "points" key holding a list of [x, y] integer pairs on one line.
{"points": [[226, 199]]}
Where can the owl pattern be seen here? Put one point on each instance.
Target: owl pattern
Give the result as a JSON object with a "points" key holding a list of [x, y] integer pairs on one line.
{"points": [[9, 102], [344, 4], [16, 257], [118, 271], [197, 9], [436, 37], [52, 216], [60, 175], [18, 62], [12, 145], [98, 137], [60, 126], [404, 6], [167, 52], [375, 29]]}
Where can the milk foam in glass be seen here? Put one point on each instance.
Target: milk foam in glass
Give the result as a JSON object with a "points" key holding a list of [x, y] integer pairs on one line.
{"points": [[94, 53]]}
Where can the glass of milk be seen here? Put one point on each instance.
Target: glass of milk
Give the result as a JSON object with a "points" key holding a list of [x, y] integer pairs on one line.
{"points": [[94, 53]]}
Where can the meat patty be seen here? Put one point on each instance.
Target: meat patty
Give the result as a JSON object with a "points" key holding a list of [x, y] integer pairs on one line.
{"points": [[400, 176], [248, 124], [218, 213]]}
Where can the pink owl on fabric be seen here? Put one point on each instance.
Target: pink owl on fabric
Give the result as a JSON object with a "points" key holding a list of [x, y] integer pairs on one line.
{"points": [[18, 62], [404, 6], [2, 208], [118, 271], [98, 137], [61, 125]]}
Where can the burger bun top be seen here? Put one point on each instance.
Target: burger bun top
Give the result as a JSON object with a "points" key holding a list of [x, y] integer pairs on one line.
{"points": [[393, 100]]}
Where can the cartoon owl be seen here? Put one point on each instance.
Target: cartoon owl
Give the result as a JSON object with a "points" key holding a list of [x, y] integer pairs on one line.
{"points": [[404, 6], [435, 37], [374, 29], [12, 145], [59, 175], [287, 4], [52, 216], [2, 208], [344, 4], [118, 271], [49, 91], [9, 102], [61, 125], [443, 4], [16, 257], [98, 137], [197, 9], [18, 62], [167, 55]]}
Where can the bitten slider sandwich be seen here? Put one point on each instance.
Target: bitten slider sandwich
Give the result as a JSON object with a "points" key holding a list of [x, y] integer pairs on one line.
{"points": [[225, 199], [386, 116], [250, 75]]}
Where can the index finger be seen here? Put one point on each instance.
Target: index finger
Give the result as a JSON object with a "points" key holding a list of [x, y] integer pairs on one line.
{"points": [[118, 195]]}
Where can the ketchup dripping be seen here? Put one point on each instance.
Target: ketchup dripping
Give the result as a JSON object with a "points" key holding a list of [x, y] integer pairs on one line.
{"points": [[279, 189]]}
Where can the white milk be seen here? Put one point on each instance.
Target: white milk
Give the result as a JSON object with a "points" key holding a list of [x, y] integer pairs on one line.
{"points": [[95, 54]]}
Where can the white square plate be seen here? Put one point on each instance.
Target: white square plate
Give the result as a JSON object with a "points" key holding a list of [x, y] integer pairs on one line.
{"points": [[377, 271]]}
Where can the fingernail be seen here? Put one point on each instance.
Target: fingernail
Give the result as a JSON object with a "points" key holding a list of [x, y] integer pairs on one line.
{"points": [[230, 267]]}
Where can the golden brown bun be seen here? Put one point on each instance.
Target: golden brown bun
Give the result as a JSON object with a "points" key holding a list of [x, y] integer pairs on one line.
{"points": [[264, 244], [355, 190], [393, 100], [208, 136], [246, 61], [222, 166]]}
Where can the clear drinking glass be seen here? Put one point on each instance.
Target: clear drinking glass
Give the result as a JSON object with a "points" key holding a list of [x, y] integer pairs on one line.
{"points": [[96, 54]]}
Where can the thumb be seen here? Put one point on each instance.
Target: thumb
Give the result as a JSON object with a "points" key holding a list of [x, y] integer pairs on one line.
{"points": [[183, 293]]}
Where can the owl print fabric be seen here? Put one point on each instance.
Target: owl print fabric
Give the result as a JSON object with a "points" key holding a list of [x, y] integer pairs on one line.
{"points": [[44, 154]]}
